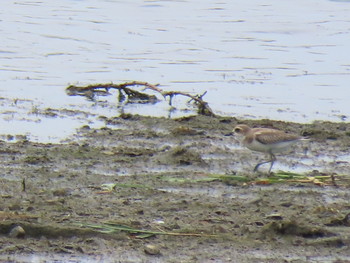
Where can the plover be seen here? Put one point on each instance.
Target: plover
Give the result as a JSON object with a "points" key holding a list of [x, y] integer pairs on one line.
{"points": [[265, 140]]}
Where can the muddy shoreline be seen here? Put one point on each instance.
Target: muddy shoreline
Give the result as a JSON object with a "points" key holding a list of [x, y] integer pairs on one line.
{"points": [[157, 174]]}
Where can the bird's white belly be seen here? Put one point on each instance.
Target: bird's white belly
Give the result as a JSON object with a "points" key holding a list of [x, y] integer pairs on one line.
{"points": [[272, 148]]}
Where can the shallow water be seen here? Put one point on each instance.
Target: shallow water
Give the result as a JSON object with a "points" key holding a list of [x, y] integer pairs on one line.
{"points": [[257, 59]]}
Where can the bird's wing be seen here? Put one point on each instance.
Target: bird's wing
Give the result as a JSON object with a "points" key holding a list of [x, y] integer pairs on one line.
{"points": [[275, 136]]}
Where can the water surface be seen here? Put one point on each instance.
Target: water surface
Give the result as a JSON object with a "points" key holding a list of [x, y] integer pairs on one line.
{"points": [[257, 59]]}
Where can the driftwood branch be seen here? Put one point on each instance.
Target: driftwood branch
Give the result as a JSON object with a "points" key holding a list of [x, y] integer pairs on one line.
{"points": [[103, 89]]}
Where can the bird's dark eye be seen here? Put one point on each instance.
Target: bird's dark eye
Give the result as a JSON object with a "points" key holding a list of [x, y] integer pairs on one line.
{"points": [[237, 130]]}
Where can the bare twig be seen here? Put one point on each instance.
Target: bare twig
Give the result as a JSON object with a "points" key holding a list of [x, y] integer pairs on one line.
{"points": [[110, 228], [90, 91]]}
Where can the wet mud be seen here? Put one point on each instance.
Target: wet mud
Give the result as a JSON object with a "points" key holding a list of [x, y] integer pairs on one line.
{"points": [[165, 176]]}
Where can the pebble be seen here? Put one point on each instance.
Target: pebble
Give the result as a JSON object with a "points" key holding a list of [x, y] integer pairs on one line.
{"points": [[275, 216], [151, 249], [17, 232]]}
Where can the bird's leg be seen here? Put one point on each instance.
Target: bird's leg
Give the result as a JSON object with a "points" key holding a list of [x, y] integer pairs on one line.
{"points": [[258, 165], [272, 160]]}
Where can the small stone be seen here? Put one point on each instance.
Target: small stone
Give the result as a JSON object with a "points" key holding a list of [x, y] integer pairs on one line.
{"points": [[17, 232], [220, 229], [14, 207], [275, 216], [151, 249], [61, 192]]}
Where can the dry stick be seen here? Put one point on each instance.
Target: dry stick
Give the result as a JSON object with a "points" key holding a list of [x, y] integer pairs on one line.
{"points": [[203, 107], [23, 185], [112, 227]]}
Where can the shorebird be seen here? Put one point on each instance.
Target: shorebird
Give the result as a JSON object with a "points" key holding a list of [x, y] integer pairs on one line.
{"points": [[265, 140]]}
